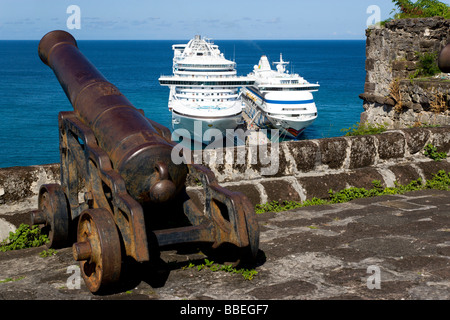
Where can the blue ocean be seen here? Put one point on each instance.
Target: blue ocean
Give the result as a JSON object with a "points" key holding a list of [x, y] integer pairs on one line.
{"points": [[31, 97]]}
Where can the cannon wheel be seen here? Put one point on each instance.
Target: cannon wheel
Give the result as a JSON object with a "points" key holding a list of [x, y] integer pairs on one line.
{"points": [[98, 249], [53, 206]]}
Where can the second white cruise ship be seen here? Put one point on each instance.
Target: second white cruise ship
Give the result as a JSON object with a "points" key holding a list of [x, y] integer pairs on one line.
{"points": [[279, 99], [204, 90]]}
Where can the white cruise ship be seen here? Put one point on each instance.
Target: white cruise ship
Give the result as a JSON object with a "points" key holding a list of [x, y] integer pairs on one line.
{"points": [[279, 100], [204, 90]]}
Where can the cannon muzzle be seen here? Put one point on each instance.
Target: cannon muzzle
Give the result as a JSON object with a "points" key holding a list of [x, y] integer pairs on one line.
{"points": [[138, 152]]}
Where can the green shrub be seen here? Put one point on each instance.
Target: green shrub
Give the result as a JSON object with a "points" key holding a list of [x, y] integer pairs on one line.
{"points": [[431, 152], [427, 65], [420, 9], [364, 129], [24, 237], [247, 274], [439, 181], [48, 253]]}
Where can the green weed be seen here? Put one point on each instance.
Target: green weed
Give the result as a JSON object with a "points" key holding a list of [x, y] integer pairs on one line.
{"points": [[431, 152], [48, 253], [24, 237], [440, 181], [427, 65], [247, 274], [359, 129], [11, 279], [420, 9]]}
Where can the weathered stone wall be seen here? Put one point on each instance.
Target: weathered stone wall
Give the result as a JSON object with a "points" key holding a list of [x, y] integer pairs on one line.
{"points": [[301, 170], [324, 156], [392, 56], [19, 186]]}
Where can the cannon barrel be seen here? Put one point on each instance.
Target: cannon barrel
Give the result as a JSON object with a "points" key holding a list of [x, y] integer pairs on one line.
{"points": [[137, 151]]}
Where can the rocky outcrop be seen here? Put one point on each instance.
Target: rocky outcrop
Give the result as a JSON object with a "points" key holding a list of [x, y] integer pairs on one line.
{"points": [[392, 54]]}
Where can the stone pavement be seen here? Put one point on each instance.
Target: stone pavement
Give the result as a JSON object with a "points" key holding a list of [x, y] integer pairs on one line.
{"points": [[384, 248]]}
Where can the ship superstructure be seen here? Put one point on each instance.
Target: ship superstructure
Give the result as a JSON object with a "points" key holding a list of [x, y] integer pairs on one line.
{"points": [[204, 90], [279, 99]]}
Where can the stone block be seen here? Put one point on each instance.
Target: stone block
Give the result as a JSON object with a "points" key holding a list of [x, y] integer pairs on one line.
{"points": [[362, 152], [280, 190], [249, 190], [362, 178], [391, 145], [268, 160], [370, 63], [416, 139], [333, 152], [417, 107], [430, 168], [403, 65], [440, 138], [404, 174], [19, 183], [320, 186], [305, 154], [369, 87], [426, 44]]}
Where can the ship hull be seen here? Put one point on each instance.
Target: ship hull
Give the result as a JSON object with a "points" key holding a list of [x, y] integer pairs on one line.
{"points": [[203, 131], [289, 127]]}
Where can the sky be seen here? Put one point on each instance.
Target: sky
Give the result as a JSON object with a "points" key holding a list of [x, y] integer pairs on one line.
{"points": [[181, 19]]}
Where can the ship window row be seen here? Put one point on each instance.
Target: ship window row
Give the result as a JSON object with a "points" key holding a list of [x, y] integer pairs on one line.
{"points": [[207, 83], [288, 89], [209, 70], [215, 89], [201, 100], [294, 109], [205, 76], [206, 66], [207, 94], [304, 115], [289, 81]]}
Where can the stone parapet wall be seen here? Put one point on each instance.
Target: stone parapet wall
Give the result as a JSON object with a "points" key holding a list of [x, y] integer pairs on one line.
{"points": [[324, 156], [392, 55], [308, 186], [304, 169]]}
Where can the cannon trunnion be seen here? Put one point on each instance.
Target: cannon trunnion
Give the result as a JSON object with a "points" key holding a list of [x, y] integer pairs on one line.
{"points": [[121, 195]]}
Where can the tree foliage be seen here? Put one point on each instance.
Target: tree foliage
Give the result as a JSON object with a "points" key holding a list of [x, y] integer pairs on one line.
{"points": [[420, 9]]}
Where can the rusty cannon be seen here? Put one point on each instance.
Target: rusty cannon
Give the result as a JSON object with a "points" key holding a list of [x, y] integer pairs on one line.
{"points": [[121, 195]]}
